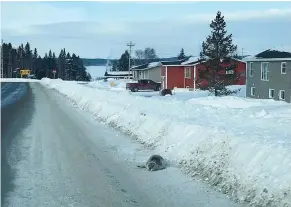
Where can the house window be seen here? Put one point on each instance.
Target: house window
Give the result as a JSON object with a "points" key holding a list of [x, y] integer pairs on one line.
{"points": [[252, 91], [229, 72], [282, 95], [265, 71], [187, 72], [251, 71], [271, 93], [283, 68]]}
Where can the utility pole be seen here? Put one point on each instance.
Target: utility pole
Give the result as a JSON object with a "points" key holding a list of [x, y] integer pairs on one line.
{"points": [[1, 58], [130, 45], [242, 52]]}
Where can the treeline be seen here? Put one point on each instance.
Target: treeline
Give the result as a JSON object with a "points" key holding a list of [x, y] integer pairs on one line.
{"points": [[94, 61], [67, 66], [102, 61], [144, 56]]}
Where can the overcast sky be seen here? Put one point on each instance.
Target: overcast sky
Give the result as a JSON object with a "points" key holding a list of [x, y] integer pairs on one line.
{"points": [[102, 29]]}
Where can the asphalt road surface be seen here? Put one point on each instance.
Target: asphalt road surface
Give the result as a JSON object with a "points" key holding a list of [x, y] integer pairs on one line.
{"points": [[54, 154]]}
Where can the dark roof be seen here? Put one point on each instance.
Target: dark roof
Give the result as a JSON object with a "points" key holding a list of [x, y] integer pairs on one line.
{"points": [[177, 62], [143, 66], [273, 54]]}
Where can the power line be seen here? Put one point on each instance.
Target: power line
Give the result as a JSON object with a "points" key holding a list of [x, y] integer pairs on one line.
{"points": [[130, 45]]}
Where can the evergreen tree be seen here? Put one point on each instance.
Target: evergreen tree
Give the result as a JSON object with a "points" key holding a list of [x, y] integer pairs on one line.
{"points": [[22, 56], [34, 60], [182, 55], [25, 58], [35, 53], [53, 64], [46, 65], [61, 64], [115, 65], [123, 63], [215, 54], [28, 52], [68, 67]]}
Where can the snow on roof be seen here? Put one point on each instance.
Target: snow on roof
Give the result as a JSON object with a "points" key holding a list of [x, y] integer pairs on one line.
{"points": [[118, 72], [278, 53], [146, 66], [191, 60], [153, 64], [142, 66]]}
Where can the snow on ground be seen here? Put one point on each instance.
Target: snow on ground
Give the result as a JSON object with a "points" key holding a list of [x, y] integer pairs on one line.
{"points": [[18, 80], [243, 150], [110, 84], [96, 71], [179, 93]]}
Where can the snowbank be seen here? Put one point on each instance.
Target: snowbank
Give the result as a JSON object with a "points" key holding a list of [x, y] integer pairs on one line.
{"points": [[244, 152], [18, 80], [232, 102]]}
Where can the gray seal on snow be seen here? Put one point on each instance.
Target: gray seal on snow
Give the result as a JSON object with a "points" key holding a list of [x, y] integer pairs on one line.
{"points": [[154, 163]]}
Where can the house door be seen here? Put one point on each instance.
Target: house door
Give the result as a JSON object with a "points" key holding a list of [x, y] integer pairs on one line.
{"points": [[163, 82]]}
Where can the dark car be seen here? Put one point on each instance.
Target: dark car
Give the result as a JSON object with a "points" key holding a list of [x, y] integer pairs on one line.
{"points": [[143, 84]]}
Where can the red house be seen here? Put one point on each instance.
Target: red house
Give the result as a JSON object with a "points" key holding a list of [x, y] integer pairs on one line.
{"points": [[185, 74]]}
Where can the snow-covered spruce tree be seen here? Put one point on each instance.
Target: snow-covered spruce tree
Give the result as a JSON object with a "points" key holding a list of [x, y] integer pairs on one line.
{"points": [[219, 68]]}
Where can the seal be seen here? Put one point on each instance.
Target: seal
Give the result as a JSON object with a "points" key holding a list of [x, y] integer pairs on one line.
{"points": [[154, 163]]}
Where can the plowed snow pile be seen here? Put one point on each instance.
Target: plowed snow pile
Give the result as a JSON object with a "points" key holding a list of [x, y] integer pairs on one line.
{"points": [[240, 146]]}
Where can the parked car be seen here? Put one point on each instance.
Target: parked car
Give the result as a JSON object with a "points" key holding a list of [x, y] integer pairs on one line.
{"points": [[143, 84]]}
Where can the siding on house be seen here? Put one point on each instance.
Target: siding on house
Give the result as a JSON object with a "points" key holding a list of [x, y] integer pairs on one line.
{"points": [[240, 71], [175, 77], [277, 81], [153, 74]]}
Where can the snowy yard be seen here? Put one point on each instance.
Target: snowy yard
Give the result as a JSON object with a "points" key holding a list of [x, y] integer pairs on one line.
{"points": [[238, 145]]}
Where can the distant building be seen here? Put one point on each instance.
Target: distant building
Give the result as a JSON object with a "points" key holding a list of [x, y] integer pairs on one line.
{"points": [[181, 73], [118, 75], [151, 71], [269, 76]]}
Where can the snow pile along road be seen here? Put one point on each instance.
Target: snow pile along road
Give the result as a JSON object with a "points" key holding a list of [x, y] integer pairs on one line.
{"points": [[243, 150], [18, 80]]}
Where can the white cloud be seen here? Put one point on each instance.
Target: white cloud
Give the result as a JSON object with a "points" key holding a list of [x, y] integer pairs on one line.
{"points": [[49, 27], [22, 14], [242, 15]]}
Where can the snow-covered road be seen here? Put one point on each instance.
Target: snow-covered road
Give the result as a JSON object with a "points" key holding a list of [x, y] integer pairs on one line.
{"points": [[65, 158]]}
